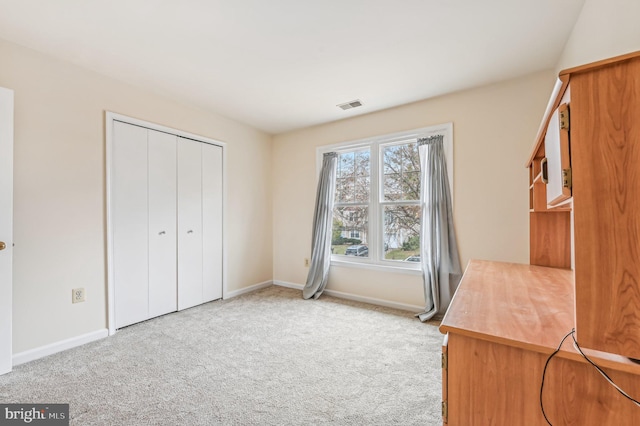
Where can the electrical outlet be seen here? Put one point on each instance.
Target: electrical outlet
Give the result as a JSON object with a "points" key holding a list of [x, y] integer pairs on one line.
{"points": [[77, 295], [306, 261]]}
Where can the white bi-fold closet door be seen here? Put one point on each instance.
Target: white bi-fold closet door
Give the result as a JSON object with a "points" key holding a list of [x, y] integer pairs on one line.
{"points": [[199, 223], [166, 222]]}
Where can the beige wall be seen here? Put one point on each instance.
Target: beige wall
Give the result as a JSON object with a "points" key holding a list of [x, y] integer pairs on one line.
{"points": [[494, 128], [605, 28], [59, 177], [59, 182]]}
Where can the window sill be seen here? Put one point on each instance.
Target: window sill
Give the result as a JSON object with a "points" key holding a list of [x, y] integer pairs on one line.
{"points": [[375, 267]]}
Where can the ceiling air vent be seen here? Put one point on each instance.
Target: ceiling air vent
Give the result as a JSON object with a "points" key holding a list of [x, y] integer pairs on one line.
{"points": [[349, 105]]}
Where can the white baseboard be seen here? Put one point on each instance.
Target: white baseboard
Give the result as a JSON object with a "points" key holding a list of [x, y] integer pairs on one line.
{"points": [[63, 345], [235, 293], [289, 285], [374, 301], [358, 298]]}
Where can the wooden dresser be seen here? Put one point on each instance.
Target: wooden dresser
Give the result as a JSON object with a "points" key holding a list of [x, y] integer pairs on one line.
{"points": [[506, 319]]}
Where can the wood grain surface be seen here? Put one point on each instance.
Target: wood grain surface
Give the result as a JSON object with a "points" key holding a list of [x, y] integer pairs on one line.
{"points": [[605, 123], [495, 384], [522, 305], [503, 322], [550, 239]]}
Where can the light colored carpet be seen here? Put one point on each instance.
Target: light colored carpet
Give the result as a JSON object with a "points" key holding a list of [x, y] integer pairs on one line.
{"points": [[264, 358]]}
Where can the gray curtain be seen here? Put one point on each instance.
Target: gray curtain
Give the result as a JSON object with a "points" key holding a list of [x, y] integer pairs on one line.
{"points": [[322, 221], [438, 249]]}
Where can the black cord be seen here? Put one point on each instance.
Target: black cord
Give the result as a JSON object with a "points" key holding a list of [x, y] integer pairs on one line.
{"points": [[572, 333], [544, 372], [605, 375]]}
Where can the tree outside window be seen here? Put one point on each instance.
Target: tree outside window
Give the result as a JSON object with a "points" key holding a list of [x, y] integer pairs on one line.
{"points": [[351, 212], [397, 205], [400, 202], [377, 209]]}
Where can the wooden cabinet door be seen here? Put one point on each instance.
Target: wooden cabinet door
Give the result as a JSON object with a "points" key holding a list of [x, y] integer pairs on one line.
{"points": [[212, 221], [190, 292], [130, 224], [556, 147], [163, 297], [605, 106]]}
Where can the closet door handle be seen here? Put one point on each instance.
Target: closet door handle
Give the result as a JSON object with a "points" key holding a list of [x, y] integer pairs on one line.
{"points": [[161, 233], [190, 231]]}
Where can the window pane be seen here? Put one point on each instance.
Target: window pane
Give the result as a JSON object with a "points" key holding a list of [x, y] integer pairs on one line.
{"points": [[393, 187], [353, 177], [345, 189], [402, 233], [392, 158], [362, 163], [350, 229], [361, 193], [401, 177], [346, 164], [411, 185], [410, 157]]}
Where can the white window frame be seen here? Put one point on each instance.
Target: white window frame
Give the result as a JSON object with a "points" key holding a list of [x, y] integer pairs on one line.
{"points": [[376, 202]]}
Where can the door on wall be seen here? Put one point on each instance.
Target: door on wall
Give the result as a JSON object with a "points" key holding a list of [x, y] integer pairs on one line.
{"points": [[143, 223], [211, 222], [199, 223], [6, 227], [189, 223], [165, 222], [129, 224], [162, 223]]}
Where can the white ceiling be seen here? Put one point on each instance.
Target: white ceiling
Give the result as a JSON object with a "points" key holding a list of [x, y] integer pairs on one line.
{"points": [[279, 65]]}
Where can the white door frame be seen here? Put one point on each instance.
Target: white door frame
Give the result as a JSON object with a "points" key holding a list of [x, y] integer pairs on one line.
{"points": [[110, 117], [6, 228]]}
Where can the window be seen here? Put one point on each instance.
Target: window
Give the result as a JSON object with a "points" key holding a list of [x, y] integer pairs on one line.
{"points": [[353, 194], [400, 201], [376, 217]]}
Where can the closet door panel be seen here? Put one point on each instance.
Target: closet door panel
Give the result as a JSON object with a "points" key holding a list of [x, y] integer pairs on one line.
{"points": [[212, 221], [163, 297], [189, 223], [130, 224]]}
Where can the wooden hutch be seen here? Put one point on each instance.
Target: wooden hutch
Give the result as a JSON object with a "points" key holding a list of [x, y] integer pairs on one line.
{"points": [[506, 319]]}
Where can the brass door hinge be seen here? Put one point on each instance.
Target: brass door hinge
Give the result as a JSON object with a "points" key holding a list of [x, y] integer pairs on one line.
{"points": [[564, 119], [445, 411], [566, 178], [444, 361]]}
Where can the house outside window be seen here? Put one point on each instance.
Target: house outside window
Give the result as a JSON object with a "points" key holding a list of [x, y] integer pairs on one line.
{"points": [[376, 217]]}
